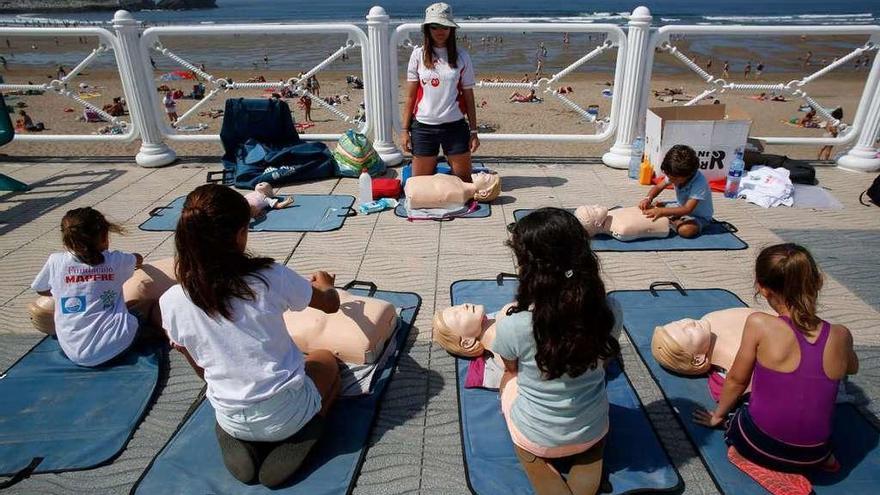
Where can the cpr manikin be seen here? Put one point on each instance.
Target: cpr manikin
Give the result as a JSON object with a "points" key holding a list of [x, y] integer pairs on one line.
{"points": [[464, 330], [450, 192], [693, 347], [624, 224], [355, 334]]}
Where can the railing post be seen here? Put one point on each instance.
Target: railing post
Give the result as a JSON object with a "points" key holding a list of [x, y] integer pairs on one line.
{"points": [[631, 92], [863, 156], [140, 93], [380, 85]]}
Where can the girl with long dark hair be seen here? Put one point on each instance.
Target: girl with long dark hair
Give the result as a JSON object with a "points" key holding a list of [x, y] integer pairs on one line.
{"points": [[226, 317], [554, 343]]}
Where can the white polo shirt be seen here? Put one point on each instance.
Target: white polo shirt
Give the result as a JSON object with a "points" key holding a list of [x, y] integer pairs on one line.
{"points": [[439, 99]]}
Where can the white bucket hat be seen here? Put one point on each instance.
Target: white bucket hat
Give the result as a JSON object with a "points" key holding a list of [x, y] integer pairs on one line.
{"points": [[439, 13]]}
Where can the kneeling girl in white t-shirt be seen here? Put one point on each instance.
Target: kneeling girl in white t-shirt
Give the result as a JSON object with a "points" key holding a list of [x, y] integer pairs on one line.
{"points": [[92, 323], [226, 317]]}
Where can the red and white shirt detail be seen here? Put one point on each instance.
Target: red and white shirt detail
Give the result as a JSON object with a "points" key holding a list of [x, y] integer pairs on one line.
{"points": [[439, 99]]}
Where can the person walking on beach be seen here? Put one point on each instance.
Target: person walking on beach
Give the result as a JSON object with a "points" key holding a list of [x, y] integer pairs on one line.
{"points": [[170, 107], [725, 69], [540, 57], [759, 69], [806, 59], [747, 70], [709, 65], [439, 94]]}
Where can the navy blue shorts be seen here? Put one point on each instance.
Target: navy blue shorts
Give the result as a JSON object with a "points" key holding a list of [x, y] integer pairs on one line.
{"points": [[454, 137], [764, 450]]}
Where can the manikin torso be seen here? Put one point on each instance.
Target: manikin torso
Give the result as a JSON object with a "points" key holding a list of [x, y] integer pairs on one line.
{"points": [[716, 336], [438, 191], [355, 334], [470, 323], [624, 224]]}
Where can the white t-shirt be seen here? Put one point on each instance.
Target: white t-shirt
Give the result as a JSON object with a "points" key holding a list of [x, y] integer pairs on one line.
{"points": [[438, 100], [250, 358], [92, 322]]}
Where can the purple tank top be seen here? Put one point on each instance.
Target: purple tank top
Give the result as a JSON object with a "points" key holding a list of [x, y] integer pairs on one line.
{"points": [[797, 407]]}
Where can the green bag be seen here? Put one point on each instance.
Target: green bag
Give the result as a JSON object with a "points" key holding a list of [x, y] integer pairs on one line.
{"points": [[353, 152]]}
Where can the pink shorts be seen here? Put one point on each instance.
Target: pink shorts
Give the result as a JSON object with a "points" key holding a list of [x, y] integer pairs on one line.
{"points": [[509, 391]]}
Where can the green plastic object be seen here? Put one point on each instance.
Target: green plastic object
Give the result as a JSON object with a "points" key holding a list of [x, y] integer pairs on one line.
{"points": [[7, 132]]}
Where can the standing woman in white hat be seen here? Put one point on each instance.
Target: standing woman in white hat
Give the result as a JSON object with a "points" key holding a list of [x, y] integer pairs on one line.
{"points": [[439, 94]]}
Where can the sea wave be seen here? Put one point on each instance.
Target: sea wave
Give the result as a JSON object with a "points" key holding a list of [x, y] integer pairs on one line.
{"points": [[792, 18]]}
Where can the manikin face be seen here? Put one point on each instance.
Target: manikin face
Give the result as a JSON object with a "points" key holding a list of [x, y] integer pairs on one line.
{"points": [[465, 319], [265, 188], [484, 181], [693, 336]]}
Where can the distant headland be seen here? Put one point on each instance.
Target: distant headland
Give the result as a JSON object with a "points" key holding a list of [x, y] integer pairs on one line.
{"points": [[45, 6]]}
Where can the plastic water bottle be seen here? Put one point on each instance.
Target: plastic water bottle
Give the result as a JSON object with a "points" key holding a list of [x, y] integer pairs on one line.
{"points": [[635, 159], [365, 187], [734, 174]]}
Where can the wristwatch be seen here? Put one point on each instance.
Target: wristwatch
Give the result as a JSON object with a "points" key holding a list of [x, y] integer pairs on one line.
{"points": [[474, 131]]}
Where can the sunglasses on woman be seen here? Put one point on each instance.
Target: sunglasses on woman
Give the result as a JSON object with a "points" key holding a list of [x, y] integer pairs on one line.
{"points": [[437, 26]]}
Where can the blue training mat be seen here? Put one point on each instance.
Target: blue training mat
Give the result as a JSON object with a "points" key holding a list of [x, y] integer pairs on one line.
{"points": [[855, 439], [483, 210], [717, 236], [635, 462], [308, 213], [71, 416], [191, 461]]}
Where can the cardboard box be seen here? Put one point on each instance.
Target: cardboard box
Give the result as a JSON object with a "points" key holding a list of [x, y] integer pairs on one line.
{"points": [[713, 131]]}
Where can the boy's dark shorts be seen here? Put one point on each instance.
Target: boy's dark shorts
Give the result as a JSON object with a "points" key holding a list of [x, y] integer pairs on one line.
{"points": [[426, 140]]}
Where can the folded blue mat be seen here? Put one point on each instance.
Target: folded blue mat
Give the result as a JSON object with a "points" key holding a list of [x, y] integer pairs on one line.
{"points": [[442, 168], [634, 461], [855, 439], [308, 213], [191, 461], [483, 210], [717, 236], [70, 416]]}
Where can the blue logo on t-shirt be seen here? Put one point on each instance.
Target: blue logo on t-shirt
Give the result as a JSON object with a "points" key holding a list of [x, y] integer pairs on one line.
{"points": [[75, 304]]}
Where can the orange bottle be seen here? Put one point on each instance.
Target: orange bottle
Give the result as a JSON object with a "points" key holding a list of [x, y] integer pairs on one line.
{"points": [[646, 171]]}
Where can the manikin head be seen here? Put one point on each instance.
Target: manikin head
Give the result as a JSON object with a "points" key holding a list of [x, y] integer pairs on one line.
{"points": [[488, 186], [683, 346], [459, 329], [265, 189], [593, 219]]}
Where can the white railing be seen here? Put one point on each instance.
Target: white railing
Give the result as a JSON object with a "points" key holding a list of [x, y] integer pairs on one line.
{"points": [[614, 38], [66, 86], [356, 39], [379, 48]]}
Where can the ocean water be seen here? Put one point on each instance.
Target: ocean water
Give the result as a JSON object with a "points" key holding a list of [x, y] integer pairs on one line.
{"points": [[515, 54], [791, 12]]}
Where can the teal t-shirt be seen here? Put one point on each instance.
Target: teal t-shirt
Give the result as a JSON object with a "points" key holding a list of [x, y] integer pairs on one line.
{"points": [[697, 188], [558, 412]]}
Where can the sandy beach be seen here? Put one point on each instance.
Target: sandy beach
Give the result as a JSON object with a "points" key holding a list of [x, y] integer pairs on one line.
{"points": [[63, 116]]}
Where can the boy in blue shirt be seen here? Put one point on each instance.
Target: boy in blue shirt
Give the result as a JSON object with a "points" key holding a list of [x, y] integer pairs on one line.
{"points": [[694, 210]]}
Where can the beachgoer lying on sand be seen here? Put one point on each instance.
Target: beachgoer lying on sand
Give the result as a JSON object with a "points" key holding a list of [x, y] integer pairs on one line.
{"points": [[215, 113], [354, 82], [517, 97], [564, 90], [115, 109], [809, 119], [333, 100], [257, 79]]}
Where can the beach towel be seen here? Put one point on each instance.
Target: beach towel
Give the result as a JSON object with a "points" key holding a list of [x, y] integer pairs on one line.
{"points": [[261, 144], [855, 439], [56, 416], [491, 465], [191, 461], [308, 213], [717, 236]]}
